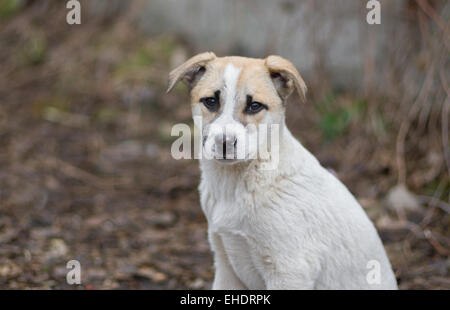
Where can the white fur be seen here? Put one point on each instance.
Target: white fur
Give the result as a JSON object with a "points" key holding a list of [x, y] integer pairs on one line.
{"points": [[225, 123], [295, 227], [230, 77]]}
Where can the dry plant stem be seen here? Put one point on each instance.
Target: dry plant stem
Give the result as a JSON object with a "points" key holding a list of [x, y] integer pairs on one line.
{"points": [[428, 9], [436, 244], [418, 232], [424, 32], [75, 172], [414, 111], [400, 144], [432, 204], [433, 200], [445, 136], [445, 127]]}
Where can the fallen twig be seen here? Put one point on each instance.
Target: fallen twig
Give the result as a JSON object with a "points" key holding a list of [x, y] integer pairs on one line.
{"points": [[433, 200]]}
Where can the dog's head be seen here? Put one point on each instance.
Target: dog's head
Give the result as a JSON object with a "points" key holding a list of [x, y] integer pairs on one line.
{"points": [[237, 100]]}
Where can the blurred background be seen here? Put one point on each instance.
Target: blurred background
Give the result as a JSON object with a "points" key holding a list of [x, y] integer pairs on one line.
{"points": [[85, 165]]}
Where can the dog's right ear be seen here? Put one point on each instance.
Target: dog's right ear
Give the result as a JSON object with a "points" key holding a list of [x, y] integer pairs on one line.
{"points": [[191, 71]]}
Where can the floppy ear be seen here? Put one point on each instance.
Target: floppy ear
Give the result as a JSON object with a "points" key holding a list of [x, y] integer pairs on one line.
{"points": [[191, 71], [285, 77]]}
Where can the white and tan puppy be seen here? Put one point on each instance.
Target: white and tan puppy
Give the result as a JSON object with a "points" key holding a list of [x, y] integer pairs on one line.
{"points": [[292, 225]]}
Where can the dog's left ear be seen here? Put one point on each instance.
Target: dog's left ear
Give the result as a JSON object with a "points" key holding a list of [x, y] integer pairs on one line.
{"points": [[191, 71], [285, 77]]}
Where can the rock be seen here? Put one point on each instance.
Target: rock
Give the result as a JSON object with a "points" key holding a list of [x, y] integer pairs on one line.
{"points": [[387, 223], [152, 274], [164, 219], [58, 248], [197, 284], [401, 199], [9, 270], [110, 284]]}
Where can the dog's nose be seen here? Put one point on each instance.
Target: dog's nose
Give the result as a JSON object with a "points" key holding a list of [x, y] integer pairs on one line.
{"points": [[227, 142]]}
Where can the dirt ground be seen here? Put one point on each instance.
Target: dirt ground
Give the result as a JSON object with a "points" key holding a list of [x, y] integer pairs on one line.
{"points": [[86, 171]]}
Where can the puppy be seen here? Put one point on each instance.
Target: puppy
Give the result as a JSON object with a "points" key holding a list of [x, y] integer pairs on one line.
{"points": [[279, 221]]}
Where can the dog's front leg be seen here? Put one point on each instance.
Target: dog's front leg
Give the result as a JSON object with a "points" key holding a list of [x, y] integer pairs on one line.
{"points": [[224, 277]]}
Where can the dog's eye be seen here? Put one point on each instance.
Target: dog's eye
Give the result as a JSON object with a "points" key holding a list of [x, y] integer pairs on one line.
{"points": [[255, 107], [211, 103]]}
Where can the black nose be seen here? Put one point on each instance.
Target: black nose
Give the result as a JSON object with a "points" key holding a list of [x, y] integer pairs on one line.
{"points": [[227, 142]]}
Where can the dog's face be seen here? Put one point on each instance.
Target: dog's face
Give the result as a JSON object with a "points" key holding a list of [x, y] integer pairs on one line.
{"points": [[239, 101]]}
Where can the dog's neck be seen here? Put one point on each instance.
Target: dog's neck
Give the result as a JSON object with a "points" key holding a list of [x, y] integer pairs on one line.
{"points": [[223, 182]]}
